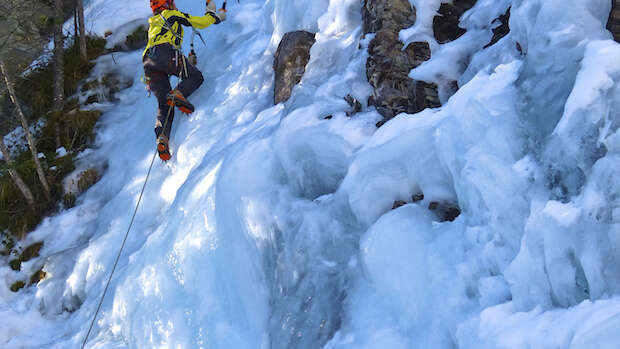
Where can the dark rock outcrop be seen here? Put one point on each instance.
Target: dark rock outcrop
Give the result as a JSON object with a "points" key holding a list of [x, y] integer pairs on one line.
{"points": [[387, 70], [92, 99], [446, 212], [398, 204], [29, 253], [388, 65], [104, 88], [17, 285], [290, 62], [446, 24], [25, 27], [16, 264], [417, 197], [394, 15], [613, 24], [134, 41], [502, 30], [355, 105], [37, 277]]}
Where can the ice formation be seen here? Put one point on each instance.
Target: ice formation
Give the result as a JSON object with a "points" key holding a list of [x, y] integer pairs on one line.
{"points": [[272, 226]]}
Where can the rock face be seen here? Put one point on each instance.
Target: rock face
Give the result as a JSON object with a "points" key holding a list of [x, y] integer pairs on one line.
{"points": [[445, 211], [388, 65], [134, 41], [355, 105], [103, 88], [394, 15], [25, 29], [446, 24], [26, 24], [17, 285], [502, 30], [290, 62], [27, 254], [614, 19]]}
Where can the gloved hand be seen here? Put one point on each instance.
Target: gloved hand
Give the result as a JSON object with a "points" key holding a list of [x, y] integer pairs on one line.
{"points": [[221, 14], [211, 7]]}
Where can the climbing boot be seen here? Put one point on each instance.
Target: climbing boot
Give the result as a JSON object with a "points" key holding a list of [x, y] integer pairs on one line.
{"points": [[176, 98], [162, 148]]}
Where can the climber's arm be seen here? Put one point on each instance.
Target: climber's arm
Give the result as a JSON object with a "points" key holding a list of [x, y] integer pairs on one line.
{"points": [[200, 22]]}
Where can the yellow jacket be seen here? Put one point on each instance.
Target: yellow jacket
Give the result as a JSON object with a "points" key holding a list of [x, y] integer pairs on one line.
{"points": [[159, 29]]}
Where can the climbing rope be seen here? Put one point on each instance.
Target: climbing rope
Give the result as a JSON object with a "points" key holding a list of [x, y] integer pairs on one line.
{"points": [[105, 290]]}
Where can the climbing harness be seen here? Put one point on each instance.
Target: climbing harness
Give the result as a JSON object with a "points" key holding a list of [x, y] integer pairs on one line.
{"points": [[184, 73], [177, 49], [118, 256], [167, 26]]}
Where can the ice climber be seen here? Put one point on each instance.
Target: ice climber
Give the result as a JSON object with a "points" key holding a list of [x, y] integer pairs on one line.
{"points": [[163, 57]]}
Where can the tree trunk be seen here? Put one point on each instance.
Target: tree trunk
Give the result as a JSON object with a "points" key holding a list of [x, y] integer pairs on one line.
{"points": [[76, 30], [80, 13], [16, 177], [59, 74], [24, 122]]}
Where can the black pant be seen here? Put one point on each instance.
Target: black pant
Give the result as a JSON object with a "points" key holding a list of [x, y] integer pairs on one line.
{"points": [[160, 62]]}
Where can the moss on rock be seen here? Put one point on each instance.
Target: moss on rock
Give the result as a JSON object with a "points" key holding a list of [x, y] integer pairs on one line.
{"points": [[137, 39], [31, 251], [37, 276], [16, 264], [27, 254], [69, 200], [17, 285], [87, 179]]}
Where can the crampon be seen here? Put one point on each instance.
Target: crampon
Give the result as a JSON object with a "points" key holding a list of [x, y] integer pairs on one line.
{"points": [[176, 98], [162, 148]]}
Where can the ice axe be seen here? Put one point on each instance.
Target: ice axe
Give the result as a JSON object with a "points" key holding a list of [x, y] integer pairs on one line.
{"points": [[223, 5], [193, 58], [192, 54]]}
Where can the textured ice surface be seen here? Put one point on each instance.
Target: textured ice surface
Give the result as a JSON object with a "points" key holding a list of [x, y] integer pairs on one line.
{"points": [[272, 226]]}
